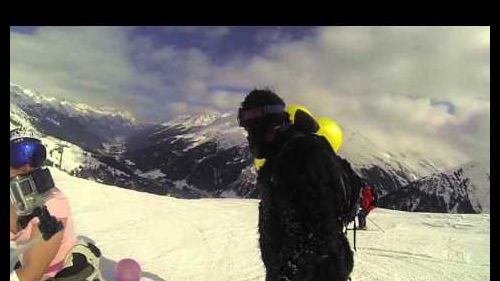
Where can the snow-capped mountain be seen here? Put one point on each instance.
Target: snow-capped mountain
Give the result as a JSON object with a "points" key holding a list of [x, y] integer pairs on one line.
{"points": [[462, 190], [206, 155], [112, 157], [192, 151], [191, 142], [387, 171], [479, 175], [86, 126], [62, 154]]}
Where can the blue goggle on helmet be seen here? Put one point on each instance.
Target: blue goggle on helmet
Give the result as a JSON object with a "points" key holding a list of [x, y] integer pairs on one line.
{"points": [[27, 151]]}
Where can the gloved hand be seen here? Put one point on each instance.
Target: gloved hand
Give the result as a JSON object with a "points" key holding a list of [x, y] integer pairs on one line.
{"points": [[48, 225]]}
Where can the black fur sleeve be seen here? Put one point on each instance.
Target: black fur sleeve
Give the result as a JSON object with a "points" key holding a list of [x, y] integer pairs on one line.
{"points": [[303, 177]]}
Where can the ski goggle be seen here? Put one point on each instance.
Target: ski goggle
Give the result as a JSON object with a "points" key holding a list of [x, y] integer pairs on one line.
{"points": [[29, 191], [245, 117], [27, 151]]}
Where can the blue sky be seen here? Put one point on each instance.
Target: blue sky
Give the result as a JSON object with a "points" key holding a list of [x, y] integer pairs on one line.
{"points": [[413, 84], [222, 43]]}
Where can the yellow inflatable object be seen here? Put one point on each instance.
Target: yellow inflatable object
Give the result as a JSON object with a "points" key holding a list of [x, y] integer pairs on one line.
{"points": [[331, 131], [291, 109], [259, 163], [327, 128]]}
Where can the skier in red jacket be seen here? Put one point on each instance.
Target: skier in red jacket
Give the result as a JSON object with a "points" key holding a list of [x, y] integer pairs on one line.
{"points": [[367, 204]]}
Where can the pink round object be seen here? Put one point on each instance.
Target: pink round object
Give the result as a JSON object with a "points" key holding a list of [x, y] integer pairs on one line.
{"points": [[128, 270]]}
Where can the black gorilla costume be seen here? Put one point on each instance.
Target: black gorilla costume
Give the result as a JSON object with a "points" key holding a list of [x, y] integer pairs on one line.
{"points": [[300, 237]]}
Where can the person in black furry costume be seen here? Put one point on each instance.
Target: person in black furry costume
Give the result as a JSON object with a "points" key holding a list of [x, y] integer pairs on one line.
{"points": [[300, 237]]}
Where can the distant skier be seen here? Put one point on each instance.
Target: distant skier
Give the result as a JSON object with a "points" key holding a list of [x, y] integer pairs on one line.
{"points": [[367, 204], [41, 223], [301, 237]]}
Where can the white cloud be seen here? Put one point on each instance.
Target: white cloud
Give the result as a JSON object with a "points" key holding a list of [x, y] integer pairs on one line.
{"points": [[81, 63], [169, 74], [383, 81], [223, 99], [95, 65]]}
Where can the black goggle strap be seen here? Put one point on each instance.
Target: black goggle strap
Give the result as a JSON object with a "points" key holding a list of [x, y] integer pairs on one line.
{"points": [[246, 115]]}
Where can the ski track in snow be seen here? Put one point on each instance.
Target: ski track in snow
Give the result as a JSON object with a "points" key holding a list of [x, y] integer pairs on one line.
{"points": [[423, 246], [217, 239]]}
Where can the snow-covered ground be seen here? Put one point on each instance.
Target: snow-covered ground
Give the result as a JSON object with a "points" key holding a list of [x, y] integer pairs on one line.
{"points": [[216, 239]]}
